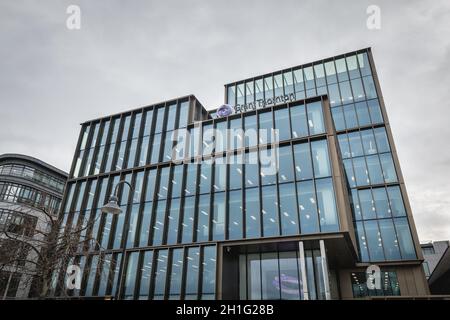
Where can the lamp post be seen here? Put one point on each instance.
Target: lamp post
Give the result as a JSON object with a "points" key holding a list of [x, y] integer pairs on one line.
{"points": [[112, 207]]}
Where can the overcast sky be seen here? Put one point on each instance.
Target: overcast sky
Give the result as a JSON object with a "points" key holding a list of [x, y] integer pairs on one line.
{"points": [[129, 54]]}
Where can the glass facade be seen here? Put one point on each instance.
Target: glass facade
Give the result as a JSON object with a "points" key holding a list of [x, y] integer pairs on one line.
{"points": [[214, 183], [363, 141]]}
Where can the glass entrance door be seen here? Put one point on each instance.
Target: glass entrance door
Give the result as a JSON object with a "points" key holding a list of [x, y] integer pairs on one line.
{"points": [[277, 275]]}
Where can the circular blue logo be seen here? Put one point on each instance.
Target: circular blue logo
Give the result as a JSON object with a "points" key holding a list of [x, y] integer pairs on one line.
{"points": [[224, 110]]}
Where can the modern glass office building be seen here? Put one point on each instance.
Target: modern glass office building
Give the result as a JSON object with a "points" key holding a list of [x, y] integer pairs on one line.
{"points": [[28, 188], [208, 218]]}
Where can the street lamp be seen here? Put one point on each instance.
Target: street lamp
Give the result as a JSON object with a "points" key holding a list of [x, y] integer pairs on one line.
{"points": [[112, 207]]}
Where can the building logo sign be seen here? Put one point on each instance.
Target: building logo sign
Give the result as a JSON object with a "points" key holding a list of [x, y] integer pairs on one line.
{"points": [[224, 111], [262, 103]]}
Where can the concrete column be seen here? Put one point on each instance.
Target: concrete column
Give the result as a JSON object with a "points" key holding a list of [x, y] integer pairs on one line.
{"points": [[303, 270], [325, 277]]}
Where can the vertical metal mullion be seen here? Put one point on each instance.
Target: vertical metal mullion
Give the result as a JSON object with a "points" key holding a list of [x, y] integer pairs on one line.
{"points": [[303, 270], [326, 280]]}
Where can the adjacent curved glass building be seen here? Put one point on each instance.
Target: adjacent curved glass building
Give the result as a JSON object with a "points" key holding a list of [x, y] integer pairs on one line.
{"points": [[27, 186], [290, 191]]}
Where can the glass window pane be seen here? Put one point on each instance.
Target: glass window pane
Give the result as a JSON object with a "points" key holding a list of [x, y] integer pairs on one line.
{"points": [[363, 114], [146, 272], [265, 127], [320, 75], [286, 165], [220, 175], [148, 122], [361, 172], [220, 137], [156, 144], [373, 164], [309, 78], [315, 118], [159, 120], [282, 124], [353, 67], [346, 92], [163, 182], [327, 205], [251, 131], [205, 177], [356, 147], [303, 164], [235, 171], [176, 274], [396, 201], [362, 241], [191, 179], [330, 71], [158, 226], [252, 213], [192, 270], [171, 117], [209, 273], [358, 91], [251, 169], [288, 209], [240, 94], [344, 146], [341, 69], [350, 116], [288, 82], [405, 239], [130, 277], [388, 168], [374, 240], [145, 224], [278, 85], [299, 121], [338, 118], [369, 85], [368, 141], [367, 204], [184, 114], [364, 66], [188, 220], [231, 95], [335, 96], [390, 242], [203, 214], [254, 276], [177, 181], [219, 211], [173, 219], [381, 202], [259, 89], [270, 271], [298, 81], [289, 273], [270, 211], [309, 222], [160, 271], [321, 160], [382, 140], [375, 111], [235, 223], [268, 87]]}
